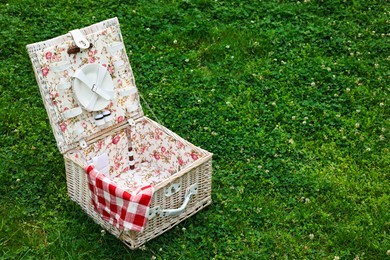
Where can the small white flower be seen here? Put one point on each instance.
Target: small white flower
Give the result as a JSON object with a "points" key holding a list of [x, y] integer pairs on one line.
{"points": [[174, 41], [383, 129], [336, 258], [183, 229], [357, 125], [381, 104], [153, 258], [160, 249], [213, 90], [306, 118], [266, 171], [227, 46], [307, 200], [348, 89], [336, 95], [368, 149], [376, 65], [260, 166], [311, 236], [313, 84], [358, 111], [328, 69], [199, 101], [304, 122], [291, 141], [293, 117], [274, 104], [17, 180], [148, 29], [231, 57], [338, 115], [187, 60]]}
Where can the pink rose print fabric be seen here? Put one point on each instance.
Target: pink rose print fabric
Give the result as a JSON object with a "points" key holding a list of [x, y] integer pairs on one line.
{"points": [[157, 155]]}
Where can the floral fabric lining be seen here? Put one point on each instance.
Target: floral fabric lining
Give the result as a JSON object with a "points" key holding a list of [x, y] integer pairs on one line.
{"points": [[157, 155], [57, 68]]}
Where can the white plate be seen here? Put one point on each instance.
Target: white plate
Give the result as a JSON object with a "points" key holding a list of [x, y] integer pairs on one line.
{"points": [[89, 99]]}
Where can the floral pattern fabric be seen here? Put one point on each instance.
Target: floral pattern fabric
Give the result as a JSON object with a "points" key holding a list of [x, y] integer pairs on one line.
{"points": [[157, 155], [57, 68]]}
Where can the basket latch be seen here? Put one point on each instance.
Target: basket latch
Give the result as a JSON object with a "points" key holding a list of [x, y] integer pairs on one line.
{"points": [[81, 42]]}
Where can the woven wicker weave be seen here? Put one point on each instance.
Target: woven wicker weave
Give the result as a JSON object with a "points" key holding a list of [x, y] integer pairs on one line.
{"points": [[197, 172]]}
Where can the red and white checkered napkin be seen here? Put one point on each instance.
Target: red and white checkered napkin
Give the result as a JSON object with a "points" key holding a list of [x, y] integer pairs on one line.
{"points": [[118, 207]]}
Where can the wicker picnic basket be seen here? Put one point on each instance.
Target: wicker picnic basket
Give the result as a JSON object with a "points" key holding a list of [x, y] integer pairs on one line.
{"points": [[89, 92]]}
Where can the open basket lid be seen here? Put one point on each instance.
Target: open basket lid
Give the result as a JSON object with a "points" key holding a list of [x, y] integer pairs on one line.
{"points": [[86, 82]]}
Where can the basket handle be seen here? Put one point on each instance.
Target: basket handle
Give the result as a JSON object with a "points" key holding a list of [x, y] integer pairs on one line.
{"points": [[193, 189]]}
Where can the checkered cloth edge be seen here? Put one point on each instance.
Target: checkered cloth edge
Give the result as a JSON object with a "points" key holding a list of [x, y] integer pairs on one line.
{"points": [[118, 207]]}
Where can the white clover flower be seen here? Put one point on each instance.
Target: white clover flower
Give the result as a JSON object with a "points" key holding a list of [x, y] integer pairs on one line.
{"points": [[174, 41], [348, 89], [358, 111], [304, 122], [357, 125], [336, 258], [148, 29], [368, 149], [183, 229], [338, 115], [266, 171], [381, 104], [311, 236], [227, 46], [273, 103], [187, 60], [291, 141], [213, 90], [381, 137], [153, 258], [293, 117], [313, 84]]}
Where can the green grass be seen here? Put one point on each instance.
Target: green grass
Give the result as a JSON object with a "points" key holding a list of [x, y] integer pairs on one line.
{"points": [[292, 97]]}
